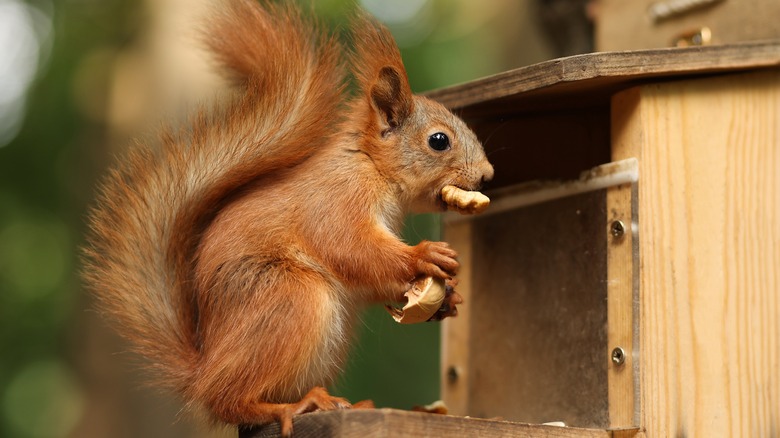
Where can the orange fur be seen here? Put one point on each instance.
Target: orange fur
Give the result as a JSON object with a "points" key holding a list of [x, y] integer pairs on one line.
{"points": [[237, 258]]}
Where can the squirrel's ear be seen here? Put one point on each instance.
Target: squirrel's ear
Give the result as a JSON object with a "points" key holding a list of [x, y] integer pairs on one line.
{"points": [[391, 98]]}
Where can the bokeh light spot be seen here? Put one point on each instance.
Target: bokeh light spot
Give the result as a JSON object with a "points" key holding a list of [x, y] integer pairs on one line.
{"points": [[23, 31], [33, 255], [43, 400]]}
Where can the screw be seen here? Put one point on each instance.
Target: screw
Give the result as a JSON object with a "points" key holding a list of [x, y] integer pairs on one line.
{"points": [[618, 356], [617, 229], [452, 374]]}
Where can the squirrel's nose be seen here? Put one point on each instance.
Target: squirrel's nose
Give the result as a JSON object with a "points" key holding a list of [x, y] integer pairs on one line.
{"points": [[487, 171]]}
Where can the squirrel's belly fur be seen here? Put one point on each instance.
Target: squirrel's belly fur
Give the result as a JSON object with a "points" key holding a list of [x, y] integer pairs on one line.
{"points": [[253, 259], [236, 256]]}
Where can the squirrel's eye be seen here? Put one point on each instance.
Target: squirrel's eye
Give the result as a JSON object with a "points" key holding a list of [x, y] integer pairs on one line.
{"points": [[439, 141]]}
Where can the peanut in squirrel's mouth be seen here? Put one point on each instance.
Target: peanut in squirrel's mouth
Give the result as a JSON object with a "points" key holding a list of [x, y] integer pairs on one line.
{"points": [[464, 201]]}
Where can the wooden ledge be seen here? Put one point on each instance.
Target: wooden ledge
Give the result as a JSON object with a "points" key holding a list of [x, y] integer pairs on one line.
{"points": [[381, 423], [601, 74]]}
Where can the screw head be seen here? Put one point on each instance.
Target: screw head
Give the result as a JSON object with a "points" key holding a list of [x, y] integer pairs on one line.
{"points": [[452, 374], [618, 356], [617, 229]]}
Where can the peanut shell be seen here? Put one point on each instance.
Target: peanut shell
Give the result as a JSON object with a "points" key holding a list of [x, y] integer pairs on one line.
{"points": [[424, 299]]}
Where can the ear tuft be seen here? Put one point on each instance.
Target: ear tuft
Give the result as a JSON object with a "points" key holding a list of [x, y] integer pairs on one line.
{"points": [[391, 98]]}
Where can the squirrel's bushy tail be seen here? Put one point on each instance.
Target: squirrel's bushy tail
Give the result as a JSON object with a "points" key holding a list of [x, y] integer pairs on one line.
{"points": [[153, 206]]}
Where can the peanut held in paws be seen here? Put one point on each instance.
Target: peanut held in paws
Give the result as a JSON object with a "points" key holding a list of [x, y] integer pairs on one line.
{"points": [[464, 201], [424, 300]]}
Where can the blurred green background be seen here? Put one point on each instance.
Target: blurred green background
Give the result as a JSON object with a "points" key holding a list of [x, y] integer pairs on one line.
{"points": [[78, 80]]}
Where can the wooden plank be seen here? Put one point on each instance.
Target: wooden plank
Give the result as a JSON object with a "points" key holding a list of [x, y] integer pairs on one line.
{"points": [[709, 196], [615, 173], [456, 332], [382, 423], [622, 270], [599, 75]]}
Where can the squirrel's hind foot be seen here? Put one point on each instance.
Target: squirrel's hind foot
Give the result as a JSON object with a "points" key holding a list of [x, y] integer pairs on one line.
{"points": [[317, 399]]}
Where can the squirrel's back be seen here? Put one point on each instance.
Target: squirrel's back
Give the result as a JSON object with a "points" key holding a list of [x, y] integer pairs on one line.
{"points": [[153, 206]]}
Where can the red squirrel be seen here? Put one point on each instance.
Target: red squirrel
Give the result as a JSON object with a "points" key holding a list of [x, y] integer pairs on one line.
{"points": [[237, 256]]}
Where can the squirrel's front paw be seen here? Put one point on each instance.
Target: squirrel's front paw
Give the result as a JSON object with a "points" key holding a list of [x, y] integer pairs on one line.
{"points": [[436, 259]]}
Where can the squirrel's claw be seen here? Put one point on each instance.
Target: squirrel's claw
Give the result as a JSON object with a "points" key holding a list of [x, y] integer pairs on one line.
{"points": [[317, 399]]}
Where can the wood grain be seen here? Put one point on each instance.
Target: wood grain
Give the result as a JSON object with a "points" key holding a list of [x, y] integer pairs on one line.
{"points": [[622, 271], [709, 197], [597, 75], [456, 332], [384, 423], [539, 313]]}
